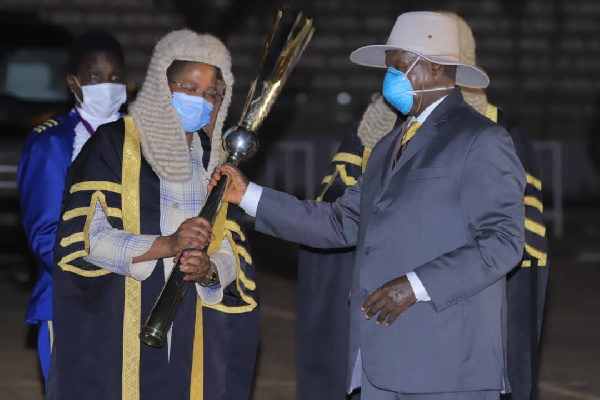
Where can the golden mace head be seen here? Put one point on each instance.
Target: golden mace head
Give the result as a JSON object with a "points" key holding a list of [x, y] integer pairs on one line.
{"points": [[285, 44]]}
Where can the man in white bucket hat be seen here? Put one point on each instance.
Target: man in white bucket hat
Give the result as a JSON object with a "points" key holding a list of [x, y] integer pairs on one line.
{"points": [[437, 220]]}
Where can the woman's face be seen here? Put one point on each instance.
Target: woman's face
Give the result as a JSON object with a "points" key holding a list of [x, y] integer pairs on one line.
{"points": [[97, 67], [196, 79]]}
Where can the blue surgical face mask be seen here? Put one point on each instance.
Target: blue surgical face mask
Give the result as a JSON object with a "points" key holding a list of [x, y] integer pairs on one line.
{"points": [[194, 111], [398, 90]]}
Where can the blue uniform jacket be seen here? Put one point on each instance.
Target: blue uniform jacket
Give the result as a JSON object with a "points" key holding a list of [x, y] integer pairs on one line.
{"points": [[41, 179]]}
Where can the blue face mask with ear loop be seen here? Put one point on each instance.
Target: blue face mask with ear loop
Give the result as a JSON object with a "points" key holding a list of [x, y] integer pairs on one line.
{"points": [[194, 111], [398, 90]]}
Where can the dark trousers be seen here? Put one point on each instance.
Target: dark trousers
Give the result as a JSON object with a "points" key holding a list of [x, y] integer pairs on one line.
{"points": [[324, 279]]}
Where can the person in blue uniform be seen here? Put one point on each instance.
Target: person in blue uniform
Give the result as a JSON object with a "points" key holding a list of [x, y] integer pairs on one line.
{"points": [[96, 79], [130, 205]]}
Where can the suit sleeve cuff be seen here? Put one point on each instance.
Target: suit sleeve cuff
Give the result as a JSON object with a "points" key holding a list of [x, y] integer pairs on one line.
{"points": [[417, 287], [251, 198]]}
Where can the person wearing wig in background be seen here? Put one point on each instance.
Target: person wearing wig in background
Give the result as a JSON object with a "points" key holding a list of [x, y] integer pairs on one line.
{"points": [[130, 206], [526, 283], [95, 76]]}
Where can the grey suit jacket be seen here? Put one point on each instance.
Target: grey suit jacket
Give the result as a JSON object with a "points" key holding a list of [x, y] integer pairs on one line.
{"points": [[452, 211]]}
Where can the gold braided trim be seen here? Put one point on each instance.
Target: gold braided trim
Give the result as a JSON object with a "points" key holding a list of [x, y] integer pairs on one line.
{"points": [[365, 158], [96, 185], [131, 343], [250, 302], [527, 264], [348, 180], [348, 158], [81, 211], [331, 178], [533, 202], [218, 229], [231, 310], [97, 197], [51, 331], [83, 237], [234, 227], [535, 227], [340, 169], [242, 252], [130, 179], [535, 182], [48, 124], [491, 112], [242, 277], [542, 257], [74, 238], [197, 378], [335, 173], [249, 284], [65, 266]]}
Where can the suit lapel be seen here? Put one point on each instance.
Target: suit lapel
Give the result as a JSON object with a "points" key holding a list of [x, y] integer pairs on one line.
{"points": [[422, 137], [389, 155]]}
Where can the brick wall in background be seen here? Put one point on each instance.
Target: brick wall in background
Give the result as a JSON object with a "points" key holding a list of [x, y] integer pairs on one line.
{"points": [[542, 57]]}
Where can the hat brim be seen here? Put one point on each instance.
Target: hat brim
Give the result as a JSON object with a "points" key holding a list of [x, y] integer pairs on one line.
{"points": [[466, 75]]}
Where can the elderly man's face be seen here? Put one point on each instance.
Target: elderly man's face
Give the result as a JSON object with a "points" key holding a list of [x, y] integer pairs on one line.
{"points": [[423, 75], [401, 61]]}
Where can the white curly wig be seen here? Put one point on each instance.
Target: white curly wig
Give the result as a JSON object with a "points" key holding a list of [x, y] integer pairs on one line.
{"points": [[163, 140], [377, 121], [475, 97]]}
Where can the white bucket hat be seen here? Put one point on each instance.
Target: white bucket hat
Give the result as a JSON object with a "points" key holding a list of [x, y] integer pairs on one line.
{"points": [[430, 35]]}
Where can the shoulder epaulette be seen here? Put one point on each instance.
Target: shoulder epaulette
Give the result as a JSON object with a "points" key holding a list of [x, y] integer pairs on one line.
{"points": [[48, 124]]}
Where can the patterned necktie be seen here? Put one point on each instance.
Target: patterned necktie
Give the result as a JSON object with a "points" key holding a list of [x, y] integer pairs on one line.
{"points": [[410, 132]]}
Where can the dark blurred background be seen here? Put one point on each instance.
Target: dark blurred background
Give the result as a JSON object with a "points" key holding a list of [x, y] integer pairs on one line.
{"points": [[543, 57]]}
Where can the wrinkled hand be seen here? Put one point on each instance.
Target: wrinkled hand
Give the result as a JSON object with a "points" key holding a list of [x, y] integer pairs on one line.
{"points": [[193, 233], [390, 300], [237, 183], [195, 264]]}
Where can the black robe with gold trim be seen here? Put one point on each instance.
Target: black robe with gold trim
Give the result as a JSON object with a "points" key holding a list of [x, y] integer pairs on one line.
{"points": [[324, 280], [98, 314], [526, 284]]}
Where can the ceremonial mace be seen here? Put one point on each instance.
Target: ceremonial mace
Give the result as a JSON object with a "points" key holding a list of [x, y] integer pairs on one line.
{"points": [[289, 36]]}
